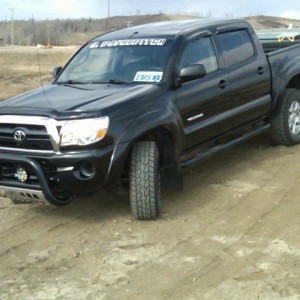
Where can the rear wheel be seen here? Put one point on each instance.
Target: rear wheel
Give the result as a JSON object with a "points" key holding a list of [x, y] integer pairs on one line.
{"points": [[285, 121], [144, 181]]}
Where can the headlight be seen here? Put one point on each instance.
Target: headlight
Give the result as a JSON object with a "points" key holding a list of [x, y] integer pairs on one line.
{"points": [[84, 132]]}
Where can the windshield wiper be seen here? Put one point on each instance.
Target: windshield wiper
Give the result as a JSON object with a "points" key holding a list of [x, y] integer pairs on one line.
{"points": [[71, 82], [112, 81]]}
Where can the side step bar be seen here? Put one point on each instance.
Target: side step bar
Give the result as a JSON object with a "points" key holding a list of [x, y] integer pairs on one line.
{"points": [[202, 155]]}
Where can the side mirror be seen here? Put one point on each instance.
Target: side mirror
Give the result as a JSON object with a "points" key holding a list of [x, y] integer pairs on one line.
{"points": [[56, 71], [192, 72]]}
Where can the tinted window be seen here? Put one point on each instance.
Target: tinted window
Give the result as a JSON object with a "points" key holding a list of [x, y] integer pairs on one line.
{"points": [[200, 51], [237, 47]]}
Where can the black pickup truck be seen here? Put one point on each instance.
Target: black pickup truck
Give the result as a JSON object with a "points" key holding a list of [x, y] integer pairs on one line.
{"points": [[134, 106]]}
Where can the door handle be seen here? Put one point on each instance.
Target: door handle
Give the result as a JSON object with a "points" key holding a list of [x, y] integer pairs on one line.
{"points": [[260, 70], [222, 84]]}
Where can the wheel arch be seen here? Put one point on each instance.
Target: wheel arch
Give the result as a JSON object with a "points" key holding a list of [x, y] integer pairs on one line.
{"points": [[169, 150], [281, 87], [294, 82], [162, 127], [165, 141]]}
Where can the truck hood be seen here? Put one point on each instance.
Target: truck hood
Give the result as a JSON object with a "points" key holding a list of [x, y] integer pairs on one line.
{"points": [[53, 99]]}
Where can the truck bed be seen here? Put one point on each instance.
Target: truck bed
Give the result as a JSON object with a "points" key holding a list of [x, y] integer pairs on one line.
{"points": [[284, 64], [273, 45]]}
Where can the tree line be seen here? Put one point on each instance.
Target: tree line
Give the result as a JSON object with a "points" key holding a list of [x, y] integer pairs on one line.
{"points": [[64, 32]]}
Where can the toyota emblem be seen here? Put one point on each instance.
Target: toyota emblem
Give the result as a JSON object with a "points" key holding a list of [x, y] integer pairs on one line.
{"points": [[19, 135]]}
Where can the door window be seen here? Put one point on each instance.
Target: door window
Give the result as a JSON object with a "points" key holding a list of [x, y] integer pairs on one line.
{"points": [[200, 51]]}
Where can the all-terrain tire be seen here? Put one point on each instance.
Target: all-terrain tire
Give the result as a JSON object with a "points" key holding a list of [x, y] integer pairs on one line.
{"points": [[285, 121], [144, 181]]}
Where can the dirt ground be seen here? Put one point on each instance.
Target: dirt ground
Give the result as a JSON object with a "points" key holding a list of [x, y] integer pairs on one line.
{"points": [[231, 234]]}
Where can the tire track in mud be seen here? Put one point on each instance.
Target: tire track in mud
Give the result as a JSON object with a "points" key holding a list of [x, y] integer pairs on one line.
{"points": [[53, 244], [212, 266], [44, 223]]}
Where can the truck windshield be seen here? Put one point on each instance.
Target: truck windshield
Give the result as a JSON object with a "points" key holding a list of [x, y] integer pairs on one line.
{"points": [[117, 61]]}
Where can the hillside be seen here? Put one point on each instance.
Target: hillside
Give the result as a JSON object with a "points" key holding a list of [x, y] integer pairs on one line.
{"points": [[76, 32], [266, 22]]}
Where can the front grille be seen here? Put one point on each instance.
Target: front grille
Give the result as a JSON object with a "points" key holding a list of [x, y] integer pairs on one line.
{"points": [[37, 137]]}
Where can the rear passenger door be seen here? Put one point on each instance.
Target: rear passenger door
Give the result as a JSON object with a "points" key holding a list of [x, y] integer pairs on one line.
{"points": [[204, 104], [248, 73]]}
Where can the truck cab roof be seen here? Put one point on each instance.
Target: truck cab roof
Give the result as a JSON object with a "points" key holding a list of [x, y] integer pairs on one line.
{"points": [[167, 28]]}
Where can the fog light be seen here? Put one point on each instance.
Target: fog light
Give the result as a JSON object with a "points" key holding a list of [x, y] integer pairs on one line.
{"points": [[87, 170], [21, 174]]}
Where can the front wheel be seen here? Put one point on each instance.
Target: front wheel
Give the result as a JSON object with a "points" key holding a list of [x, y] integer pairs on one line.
{"points": [[144, 181], [285, 122]]}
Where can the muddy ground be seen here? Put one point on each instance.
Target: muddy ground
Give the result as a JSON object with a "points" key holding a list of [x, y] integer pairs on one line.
{"points": [[231, 234]]}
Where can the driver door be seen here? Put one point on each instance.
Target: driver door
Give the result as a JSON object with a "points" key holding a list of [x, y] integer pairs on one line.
{"points": [[204, 104]]}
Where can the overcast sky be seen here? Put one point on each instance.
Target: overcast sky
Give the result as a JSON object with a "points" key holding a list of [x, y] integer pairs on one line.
{"points": [[52, 9]]}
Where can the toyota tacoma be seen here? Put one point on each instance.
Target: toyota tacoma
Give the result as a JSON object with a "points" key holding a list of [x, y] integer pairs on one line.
{"points": [[134, 106]]}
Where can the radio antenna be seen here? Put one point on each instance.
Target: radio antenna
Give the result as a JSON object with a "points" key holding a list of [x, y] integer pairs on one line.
{"points": [[38, 59]]}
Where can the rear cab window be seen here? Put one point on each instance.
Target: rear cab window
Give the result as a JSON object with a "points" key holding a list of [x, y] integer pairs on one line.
{"points": [[237, 47]]}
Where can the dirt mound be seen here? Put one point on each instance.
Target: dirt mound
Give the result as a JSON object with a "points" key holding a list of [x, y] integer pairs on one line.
{"points": [[266, 22]]}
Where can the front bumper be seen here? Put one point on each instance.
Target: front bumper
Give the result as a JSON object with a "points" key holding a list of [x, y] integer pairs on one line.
{"points": [[58, 177]]}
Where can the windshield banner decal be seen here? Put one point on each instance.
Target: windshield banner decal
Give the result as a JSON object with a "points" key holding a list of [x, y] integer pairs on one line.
{"points": [[130, 42], [142, 76]]}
